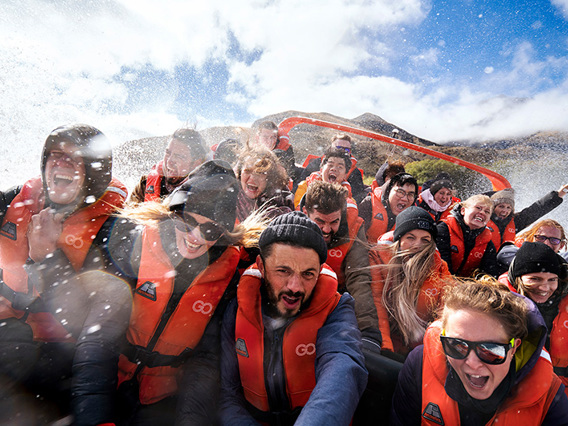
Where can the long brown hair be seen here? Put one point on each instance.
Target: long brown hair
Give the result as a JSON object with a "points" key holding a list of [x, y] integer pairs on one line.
{"points": [[406, 274]]}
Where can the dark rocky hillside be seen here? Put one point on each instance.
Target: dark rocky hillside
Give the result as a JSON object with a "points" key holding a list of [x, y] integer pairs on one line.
{"points": [[135, 158]]}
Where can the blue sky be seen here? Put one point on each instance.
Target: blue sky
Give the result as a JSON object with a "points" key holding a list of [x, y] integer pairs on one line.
{"points": [[444, 70]]}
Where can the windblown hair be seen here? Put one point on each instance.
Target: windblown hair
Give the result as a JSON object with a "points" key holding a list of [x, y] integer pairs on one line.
{"points": [[529, 234], [152, 213], [490, 297], [262, 161], [405, 278], [325, 197], [336, 153]]}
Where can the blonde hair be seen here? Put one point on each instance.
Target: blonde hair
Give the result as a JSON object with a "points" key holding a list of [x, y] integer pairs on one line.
{"points": [[150, 214], [478, 199], [406, 274], [528, 235], [264, 162]]}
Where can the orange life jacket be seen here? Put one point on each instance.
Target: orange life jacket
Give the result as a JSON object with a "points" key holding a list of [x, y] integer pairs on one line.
{"points": [[464, 267], [559, 342], [336, 255], [298, 345], [429, 298], [185, 326], [527, 404], [154, 183], [79, 231], [379, 216], [283, 143], [508, 235]]}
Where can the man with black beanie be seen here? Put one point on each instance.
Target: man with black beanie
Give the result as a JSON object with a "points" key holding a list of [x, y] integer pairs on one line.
{"points": [[287, 315]]}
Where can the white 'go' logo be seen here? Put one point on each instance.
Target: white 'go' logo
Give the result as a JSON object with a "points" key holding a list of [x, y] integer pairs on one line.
{"points": [[202, 307], [308, 349]]}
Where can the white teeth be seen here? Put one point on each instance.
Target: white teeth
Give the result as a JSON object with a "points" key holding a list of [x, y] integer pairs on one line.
{"points": [[63, 177]]}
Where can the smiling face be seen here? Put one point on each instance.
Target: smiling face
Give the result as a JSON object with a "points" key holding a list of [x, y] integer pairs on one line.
{"points": [[290, 275], [503, 210], [253, 184], [334, 170], [478, 378], [64, 173], [477, 215], [178, 162], [539, 286], [549, 232], [443, 196], [415, 240], [401, 197], [328, 223], [189, 239]]}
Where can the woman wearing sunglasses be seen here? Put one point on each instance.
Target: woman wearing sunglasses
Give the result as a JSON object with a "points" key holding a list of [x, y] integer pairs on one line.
{"points": [[546, 231], [538, 273], [408, 278], [180, 258], [482, 363]]}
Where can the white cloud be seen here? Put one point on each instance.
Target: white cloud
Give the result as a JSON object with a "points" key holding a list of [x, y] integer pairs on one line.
{"points": [[562, 5]]}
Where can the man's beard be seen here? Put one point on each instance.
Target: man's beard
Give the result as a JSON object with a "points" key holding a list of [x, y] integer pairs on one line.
{"points": [[273, 299]]}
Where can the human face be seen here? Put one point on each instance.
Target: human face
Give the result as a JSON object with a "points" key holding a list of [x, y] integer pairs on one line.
{"points": [[178, 162], [342, 144], [539, 286], [189, 238], [64, 173], [415, 240], [267, 138], [253, 184], [549, 232], [443, 196], [476, 216], [401, 197], [290, 274], [478, 378], [503, 210], [328, 223], [334, 170]]}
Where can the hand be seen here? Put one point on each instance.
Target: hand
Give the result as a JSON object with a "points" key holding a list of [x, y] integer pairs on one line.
{"points": [[563, 191], [43, 232]]}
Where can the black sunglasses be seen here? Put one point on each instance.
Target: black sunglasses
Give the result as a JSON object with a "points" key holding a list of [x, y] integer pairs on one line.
{"points": [[488, 352], [210, 231]]}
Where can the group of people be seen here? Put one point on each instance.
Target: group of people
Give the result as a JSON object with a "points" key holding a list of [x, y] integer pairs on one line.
{"points": [[235, 287]]}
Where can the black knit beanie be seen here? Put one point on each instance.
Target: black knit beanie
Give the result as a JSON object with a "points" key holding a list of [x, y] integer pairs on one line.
{"points": [[294, 227], [211, 190], [535, 257], [414, 218]]}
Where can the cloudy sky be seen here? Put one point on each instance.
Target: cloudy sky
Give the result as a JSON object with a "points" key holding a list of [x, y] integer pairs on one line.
{"points": [[441, 69]]}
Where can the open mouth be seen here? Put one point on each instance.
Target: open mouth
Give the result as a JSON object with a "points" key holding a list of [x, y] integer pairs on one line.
{"points": [[60, 179], [332, 177], [291, 302], [477, 382], [252, 188], [479, 219], [191, 247]]}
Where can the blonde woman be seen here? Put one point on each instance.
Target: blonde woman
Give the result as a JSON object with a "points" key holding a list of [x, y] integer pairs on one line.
{"points": [[464, 240], [180, 258], [408, 278], [482, 363]]}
